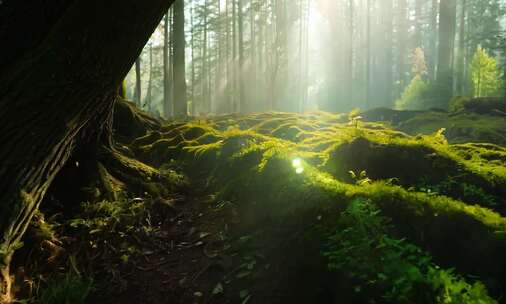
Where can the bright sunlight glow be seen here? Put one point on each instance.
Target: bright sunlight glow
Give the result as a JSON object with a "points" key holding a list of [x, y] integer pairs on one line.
{"points": [[297, 164]]}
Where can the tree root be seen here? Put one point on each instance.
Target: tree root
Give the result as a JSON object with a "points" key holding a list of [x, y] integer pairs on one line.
{"points": [[6, 281]]}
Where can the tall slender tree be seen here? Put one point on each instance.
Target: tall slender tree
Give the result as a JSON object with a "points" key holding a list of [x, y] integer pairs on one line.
{"points": [[138, 83], [444, 76], [166, 79], [180, 102]]}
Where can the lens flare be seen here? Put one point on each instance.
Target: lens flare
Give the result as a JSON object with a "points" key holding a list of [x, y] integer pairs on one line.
{"points": [[297, 164]]}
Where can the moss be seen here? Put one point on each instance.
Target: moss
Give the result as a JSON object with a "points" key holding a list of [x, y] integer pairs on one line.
{"points": [[248, 160], [147, 139], [113, 188], [460, 128]]}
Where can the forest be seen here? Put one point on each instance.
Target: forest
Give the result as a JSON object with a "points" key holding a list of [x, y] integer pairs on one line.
{"points": [[253, 151]]}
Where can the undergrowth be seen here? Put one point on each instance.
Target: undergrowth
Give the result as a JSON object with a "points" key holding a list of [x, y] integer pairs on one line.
{"points": [[280, 166], [396, 270]]}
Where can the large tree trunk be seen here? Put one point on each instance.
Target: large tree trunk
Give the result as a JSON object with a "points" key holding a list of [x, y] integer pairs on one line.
{"points": [[58, 92]]}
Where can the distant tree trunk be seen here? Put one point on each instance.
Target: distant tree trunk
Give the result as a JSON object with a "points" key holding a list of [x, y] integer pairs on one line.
{"points": [[433, 40], [192, 97], [417, 35], [166, 78], [180, 103], [138, 91], [228, 82], [171, 62], [87, 49], [350, 51], [234, 57], [461, 65], [306, 59], [242, 94], [444, 76], [368, 54], [402, 40], [149, 93], [252, 96], [389, 77], [300, 57], [204, 74]]}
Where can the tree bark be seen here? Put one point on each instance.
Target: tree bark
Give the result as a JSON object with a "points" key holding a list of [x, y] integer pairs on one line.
{"points": [[368, 59], [402, 50], [461, 65], [58, 93], [242, 93], [351, 56], [444, 75], [433, 41], [180, 104], [138, 83], [166, 79], [148, 101]]}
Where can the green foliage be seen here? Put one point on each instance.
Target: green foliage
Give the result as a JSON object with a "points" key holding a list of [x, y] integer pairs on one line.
{"points": [[71, 289], [458, 103], [450, 288], [412, 97], [463, 191], [362, 248], [253, 167], [486, 76], [115, 223], [360, 178], [460, 128]]}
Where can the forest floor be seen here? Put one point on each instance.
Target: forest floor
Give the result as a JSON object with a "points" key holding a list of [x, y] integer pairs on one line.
{"points": [[288, 208]]}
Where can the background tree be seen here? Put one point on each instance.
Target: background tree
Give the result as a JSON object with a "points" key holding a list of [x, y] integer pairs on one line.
{"points": [[486, 76], [180, 102]]}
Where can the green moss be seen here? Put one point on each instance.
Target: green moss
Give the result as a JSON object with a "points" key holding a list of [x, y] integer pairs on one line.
{"points": [[460, 128], [249, 160]]}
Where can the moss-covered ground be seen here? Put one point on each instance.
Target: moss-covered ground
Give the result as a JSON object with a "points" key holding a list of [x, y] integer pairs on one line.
{"points": [[291, 176], [313, 208]]}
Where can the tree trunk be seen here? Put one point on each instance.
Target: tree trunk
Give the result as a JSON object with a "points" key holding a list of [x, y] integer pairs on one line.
{"points": [[368, 59], [444, 76], [433, 41], [149, 92], [192, 46], [73, 73], [252, 96], [166, 78], [351, 58], [138, 91], [402, 39], [180, 104], [461, 66], [417, 35], [235, 103], [204, 77], [242, 95]]}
